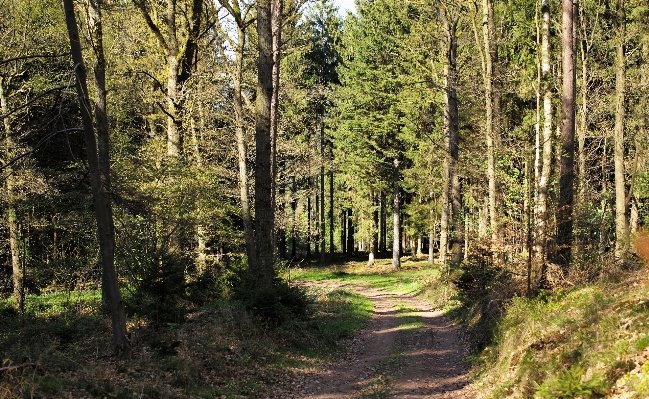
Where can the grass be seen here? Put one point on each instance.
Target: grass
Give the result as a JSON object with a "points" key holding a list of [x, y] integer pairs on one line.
{"points": [[413, 277], [409, 318], [588, 342]]}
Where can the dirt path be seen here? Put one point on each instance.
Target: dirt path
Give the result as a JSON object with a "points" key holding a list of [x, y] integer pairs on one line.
{"points": [[421, 358]]}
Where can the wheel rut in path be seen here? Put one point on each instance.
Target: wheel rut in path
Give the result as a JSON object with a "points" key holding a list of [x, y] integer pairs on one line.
{"points": [[389, 360]]}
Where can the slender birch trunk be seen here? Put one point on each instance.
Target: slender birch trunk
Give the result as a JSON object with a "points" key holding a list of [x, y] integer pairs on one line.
{"points": [[546, 142], [621, 219]]}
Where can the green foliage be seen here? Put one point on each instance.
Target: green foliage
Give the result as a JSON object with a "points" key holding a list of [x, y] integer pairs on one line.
{"points": [[221, 349], [571, 383], [584, 342], [412, 278], [477, 276], [275, 305], [158, 288]]}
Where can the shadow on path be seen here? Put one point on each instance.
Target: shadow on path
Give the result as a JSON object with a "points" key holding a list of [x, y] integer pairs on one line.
{"points": [[389, 360]]}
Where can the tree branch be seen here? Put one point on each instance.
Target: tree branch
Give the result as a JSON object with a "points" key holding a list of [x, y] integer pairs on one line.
{"points": [[27, 57]]}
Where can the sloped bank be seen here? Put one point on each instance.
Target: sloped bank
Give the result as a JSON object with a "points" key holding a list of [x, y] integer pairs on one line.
{"points": [[589, 342]]}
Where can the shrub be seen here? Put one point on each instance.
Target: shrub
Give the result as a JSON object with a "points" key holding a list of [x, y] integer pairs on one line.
{"points": [[159, 288], [275, 305]]}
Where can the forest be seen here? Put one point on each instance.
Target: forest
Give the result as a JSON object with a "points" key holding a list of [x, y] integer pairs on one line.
{"points": [[164, 157]]}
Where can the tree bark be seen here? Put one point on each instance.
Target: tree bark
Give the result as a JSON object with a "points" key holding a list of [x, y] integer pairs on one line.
{"points": [[264, 210], [101, 196], [343, 231], [568, 102], [431, 247], [350, 233], [396, 214], [323, 237], [174, 144], [12, 220], [621, 219], [383, 234], [489, 50], [308, 221], [294, 219], [375, 236], [276, 27], [450, 192], [332, 248], [281, 228], [242, 151], [546, 141], [316, 216]]}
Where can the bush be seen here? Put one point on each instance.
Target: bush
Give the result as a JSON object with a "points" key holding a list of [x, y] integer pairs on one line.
{"points": [[275, 305], [159, 288]]}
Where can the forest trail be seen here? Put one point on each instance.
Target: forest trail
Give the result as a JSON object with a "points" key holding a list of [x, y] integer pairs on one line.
{"points": [[408, 350]]}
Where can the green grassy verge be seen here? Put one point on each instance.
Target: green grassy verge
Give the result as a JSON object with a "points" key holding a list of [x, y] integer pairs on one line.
{"points": [[413, 277], [220, 351], [590, 342]]}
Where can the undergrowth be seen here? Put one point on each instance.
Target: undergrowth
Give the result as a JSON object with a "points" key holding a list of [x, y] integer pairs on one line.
{"points": [[218, 350], [588, 342]]}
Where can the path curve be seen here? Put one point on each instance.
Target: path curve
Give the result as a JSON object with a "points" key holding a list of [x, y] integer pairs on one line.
{"points": [[389, 361]]}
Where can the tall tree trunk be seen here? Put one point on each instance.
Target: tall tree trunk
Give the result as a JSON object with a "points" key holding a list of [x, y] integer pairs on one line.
{"points": [[332, 248], [294, 219], [264, 210], [568, 101], [383, 234], [582, 130], [308, 221], [451, 191], [323, 230], [375, 228], [350, 233], [457, 211], [174, 143], [431, 247], [202, 234], [396, 214], [546, 142], [281, 227], [528, 225], [276, 27], [316, 216], [242, 151], [93, 20], [621, 219], [374, 242], [603, 231], [12, 219], [101, 196], [489, 51], [343, 232]]}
